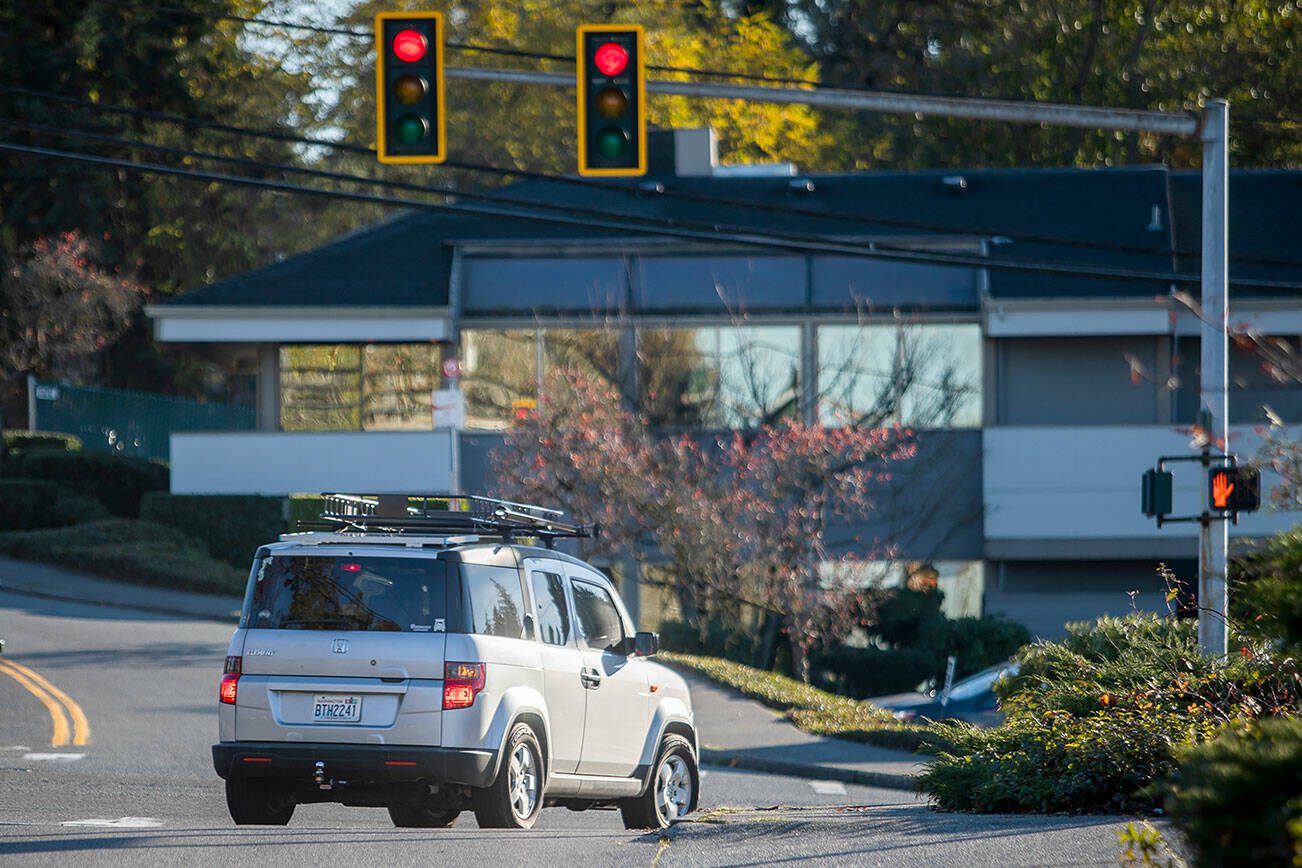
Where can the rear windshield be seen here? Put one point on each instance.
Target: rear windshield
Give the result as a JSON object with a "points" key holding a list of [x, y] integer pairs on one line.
{"points": [[333, 593]]}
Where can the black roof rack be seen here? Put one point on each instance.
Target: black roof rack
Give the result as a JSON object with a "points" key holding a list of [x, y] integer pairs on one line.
{"points": [[443, 514]]}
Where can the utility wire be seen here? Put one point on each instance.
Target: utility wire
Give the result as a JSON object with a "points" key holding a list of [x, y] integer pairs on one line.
{"points": [[704, 199], [678, 229], [459, 46]]}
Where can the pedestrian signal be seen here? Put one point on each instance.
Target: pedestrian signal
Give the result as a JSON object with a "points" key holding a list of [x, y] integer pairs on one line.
{"points": [[1234, 489]]}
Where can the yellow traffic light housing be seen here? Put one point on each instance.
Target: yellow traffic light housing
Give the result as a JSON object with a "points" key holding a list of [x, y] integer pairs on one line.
{"points": [[611, 85], [409, 109]]}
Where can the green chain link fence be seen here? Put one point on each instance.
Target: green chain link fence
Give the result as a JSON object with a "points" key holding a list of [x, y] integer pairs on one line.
{"points": [[129, 423]]}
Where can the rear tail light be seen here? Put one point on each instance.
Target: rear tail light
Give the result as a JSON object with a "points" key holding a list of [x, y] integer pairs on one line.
{"points": [[230, 681], [461, 683]]}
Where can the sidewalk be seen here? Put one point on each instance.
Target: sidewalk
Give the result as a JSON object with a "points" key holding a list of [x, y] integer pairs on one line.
{"points": [[737, 731], [40, 580], [734, 730]]}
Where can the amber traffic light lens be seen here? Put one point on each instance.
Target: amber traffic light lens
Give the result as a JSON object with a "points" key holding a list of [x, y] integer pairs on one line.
{"points": [[410, 89], [612, 102]]}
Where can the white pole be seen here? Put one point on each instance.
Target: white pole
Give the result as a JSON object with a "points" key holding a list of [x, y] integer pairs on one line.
{"points": [[1214, 538]]}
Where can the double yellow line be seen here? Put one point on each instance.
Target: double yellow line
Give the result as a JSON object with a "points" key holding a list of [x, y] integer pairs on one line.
{"points": [[70, 724]]}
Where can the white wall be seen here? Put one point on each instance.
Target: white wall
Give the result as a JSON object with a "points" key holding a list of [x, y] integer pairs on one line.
{"points": [[371, 462], [1081, 483]]}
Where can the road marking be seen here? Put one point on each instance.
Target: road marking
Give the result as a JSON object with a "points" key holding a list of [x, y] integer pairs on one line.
{"points": [[828, 788], [55, 757], [56, 702], [119, 823]]}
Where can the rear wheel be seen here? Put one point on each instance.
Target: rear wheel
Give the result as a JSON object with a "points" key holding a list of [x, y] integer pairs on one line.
{"points": [[258, 803], [514, 799], [421, 817], [673, 790]]}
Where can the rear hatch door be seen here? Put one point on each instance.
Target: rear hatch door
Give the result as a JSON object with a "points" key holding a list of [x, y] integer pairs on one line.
{"points": [[344, 647]]}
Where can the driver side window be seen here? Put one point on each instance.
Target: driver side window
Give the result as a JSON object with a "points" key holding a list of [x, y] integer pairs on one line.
{"points": [[598, 618]]}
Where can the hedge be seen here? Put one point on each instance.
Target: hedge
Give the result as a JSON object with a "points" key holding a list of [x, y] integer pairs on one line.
{"points": [[34, 503], [118, 482], [17, 441], [138, 552], [864, 672], [230, 527], [1238, 799]]}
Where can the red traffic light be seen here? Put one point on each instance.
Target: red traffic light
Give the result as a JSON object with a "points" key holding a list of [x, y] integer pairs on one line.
{"points": [[611, 58], [410, 45]]}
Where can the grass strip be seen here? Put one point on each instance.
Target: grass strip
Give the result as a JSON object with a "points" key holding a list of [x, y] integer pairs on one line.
{"points": [[813, 710]]}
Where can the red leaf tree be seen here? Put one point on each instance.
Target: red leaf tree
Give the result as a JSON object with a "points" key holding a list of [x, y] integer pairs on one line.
{"points": [[741, 520]]}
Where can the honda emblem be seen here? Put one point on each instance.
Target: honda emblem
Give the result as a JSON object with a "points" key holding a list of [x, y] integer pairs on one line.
{"points": [[340, 646]]}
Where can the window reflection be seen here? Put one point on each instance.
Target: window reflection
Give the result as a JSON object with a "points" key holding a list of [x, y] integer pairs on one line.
{"points": [[498, 375], [350, 387], [728, 377], [922, 376]]}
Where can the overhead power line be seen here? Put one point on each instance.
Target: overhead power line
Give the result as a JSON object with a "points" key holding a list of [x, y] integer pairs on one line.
{"points": [[858, 218], [538, 212]]}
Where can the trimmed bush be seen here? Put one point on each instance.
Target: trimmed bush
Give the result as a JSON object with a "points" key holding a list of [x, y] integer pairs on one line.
{"points": [[138, 552], [1093, 719], [32, 503], [1238, 799], [865, 672], [230, 527], [18, 441], [719, 642], [116, 481], [975, 643]]}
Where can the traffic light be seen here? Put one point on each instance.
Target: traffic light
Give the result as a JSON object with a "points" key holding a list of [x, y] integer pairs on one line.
{"points": [[1234, 489], [1156, 492], [409, 111], [612, 100]]}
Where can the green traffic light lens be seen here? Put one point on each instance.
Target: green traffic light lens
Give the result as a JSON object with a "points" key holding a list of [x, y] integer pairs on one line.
{"points": [[409, 89], [612, 142], [409, 129], [612, 102]]}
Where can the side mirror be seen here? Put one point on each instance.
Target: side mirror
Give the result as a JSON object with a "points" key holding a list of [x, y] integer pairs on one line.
{"points": [[646, 644]]}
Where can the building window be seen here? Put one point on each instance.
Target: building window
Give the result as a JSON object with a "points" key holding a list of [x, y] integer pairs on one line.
{"points": [[351, 387], [499, 375], [504, 372], [719, 377], [919, 375]]}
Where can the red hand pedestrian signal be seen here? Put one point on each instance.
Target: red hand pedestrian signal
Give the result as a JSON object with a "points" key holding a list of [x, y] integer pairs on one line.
{"points": [[1221, 490]]}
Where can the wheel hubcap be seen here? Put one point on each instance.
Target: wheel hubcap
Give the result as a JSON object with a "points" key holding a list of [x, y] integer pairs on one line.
{"points": [[673, 788], [523, 781]]}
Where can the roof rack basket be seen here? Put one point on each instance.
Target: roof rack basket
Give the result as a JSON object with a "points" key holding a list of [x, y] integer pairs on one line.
{"points": [[431, 514]]}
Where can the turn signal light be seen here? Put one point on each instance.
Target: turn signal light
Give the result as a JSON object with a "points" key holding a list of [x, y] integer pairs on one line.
{"points": [[461, 682]]}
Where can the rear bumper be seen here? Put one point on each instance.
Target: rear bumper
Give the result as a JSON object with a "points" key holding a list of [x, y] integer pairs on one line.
{"points": [[359, 763]]}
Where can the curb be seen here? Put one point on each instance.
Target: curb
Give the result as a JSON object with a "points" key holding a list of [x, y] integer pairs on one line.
{"points": [[742, 760], [132, 607]]}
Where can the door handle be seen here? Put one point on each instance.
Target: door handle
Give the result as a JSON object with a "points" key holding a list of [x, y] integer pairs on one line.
{"points": [[590, 679]]}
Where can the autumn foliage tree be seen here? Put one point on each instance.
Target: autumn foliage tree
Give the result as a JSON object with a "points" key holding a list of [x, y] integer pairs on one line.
{"points": [[58, 309], [737, 520]]}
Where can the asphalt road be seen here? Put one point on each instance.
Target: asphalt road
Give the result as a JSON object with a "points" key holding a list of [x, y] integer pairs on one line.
{"points": [[141, 790]]}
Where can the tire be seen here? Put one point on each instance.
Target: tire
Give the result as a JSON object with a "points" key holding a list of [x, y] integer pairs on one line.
{"points": [[514, 799], [421, 817], [258, 803], [672, 792]]}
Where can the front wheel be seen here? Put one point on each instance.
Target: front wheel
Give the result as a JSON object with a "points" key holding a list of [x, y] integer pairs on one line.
{"points": [[514, 799], [673, 791], [258, 803]]}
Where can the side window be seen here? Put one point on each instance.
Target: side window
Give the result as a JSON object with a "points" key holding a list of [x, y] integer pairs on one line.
{"points": [[598, 618], [493, 600], [553, 613]]}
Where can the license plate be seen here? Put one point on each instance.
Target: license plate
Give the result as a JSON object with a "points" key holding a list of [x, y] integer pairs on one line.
{"points": [[336, 708]]}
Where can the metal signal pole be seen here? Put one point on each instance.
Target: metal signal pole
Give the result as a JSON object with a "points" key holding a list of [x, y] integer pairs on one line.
{"points": [[1212, 128], [1214, 534]]}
